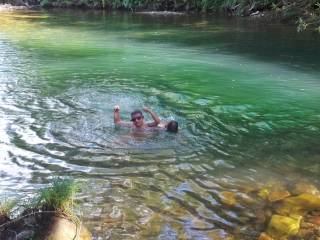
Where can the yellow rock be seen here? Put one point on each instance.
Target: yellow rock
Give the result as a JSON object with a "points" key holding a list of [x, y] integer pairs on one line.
{"points": [[263, 193], [299, 204], [264, 236], [278, 195], [228, 198], [282, 227], [302, 187], [219, 235]]}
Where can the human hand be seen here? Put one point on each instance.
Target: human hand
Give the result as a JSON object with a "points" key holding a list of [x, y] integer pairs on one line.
{"points": [[145, 109], [116, 108]]}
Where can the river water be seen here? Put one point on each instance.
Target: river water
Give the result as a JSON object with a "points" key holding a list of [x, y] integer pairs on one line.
{"points": [[245, 93]]}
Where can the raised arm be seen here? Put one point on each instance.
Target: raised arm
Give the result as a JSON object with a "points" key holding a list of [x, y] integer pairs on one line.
{"points": [[156, 119], [116, 115], [117, 119]]}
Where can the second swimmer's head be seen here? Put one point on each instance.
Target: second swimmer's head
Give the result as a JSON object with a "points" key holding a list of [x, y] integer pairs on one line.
{"points": [[172, 126]]}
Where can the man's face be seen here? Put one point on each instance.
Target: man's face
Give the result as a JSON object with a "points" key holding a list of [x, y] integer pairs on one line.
{"points": [[137, 120]]}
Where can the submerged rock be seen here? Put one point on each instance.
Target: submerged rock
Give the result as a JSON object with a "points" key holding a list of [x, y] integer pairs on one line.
{"points": [[263, 193], [299, 204], [264, 236], [278, 195], [116, 212], [314, 220], [219, 234], [262, 216], [282, 226], [228, 198], [246, 199], [26, 234], [153, 227], [301, 188]]}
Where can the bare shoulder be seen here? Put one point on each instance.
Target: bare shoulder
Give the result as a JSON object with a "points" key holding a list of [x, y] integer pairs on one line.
{"points": [[162, 125]]}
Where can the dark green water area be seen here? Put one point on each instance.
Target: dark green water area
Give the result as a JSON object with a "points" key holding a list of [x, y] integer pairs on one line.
{"points": [[246, 95]]}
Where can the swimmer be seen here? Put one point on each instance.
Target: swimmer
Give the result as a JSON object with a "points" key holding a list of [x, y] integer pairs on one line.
{"points": [[171, 126], [137, 119]]}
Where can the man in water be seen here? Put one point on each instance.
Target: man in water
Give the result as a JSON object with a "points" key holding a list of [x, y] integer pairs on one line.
{"points": [[137, 120]]}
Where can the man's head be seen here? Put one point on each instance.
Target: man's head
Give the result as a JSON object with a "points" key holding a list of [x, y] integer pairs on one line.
{"points": [[137, 118], [172, 126]]}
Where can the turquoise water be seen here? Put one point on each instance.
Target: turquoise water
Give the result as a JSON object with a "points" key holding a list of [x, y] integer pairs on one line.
{"points": [[245, 93]]}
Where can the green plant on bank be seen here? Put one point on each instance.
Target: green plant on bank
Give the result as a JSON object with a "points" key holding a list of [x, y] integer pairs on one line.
{"points": [[61, 3], [313, 21], [237, 7], [6, 207], [59, 196], [301, 25], [275, 7]]}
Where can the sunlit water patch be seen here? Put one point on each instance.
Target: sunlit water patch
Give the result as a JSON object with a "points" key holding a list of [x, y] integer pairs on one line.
{"points": [[249, 119]]}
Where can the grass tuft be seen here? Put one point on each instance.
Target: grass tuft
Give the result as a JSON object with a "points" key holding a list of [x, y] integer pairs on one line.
{"points": [[6, 207], [59, 196]]}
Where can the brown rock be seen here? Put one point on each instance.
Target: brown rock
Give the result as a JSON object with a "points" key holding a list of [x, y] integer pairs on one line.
{"points": [[278, 195], [261, 217], [306, 224], [315, 220], [220, 235], [306, 234], [246, 199], [264, 236], [4, 219], [228, 198], [65, 229]]}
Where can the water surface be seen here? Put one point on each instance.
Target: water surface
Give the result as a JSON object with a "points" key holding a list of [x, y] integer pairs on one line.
{"points": [[246, 96]]}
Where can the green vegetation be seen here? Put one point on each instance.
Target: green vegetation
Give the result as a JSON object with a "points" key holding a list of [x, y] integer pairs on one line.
{"points": [[305, 13], [59, 196], [6, 207], [309, 18]]}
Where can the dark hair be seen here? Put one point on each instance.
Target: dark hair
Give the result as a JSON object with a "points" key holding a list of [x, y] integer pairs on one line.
{"points": [[136, 112], [172, 126]]}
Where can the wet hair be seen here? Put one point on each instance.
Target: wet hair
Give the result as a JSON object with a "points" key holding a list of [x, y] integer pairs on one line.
{"points": [[136, 112], [172, 126]]}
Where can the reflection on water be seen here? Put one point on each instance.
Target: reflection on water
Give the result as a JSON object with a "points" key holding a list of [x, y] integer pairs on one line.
{"points": [[248, 116]]}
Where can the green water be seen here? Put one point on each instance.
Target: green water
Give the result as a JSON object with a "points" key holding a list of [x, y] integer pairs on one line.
{"points": [[246, 95]]}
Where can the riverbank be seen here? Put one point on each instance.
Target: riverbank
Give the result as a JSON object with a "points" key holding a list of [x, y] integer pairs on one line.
{"points": [[49, 216], [305, 14]]}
